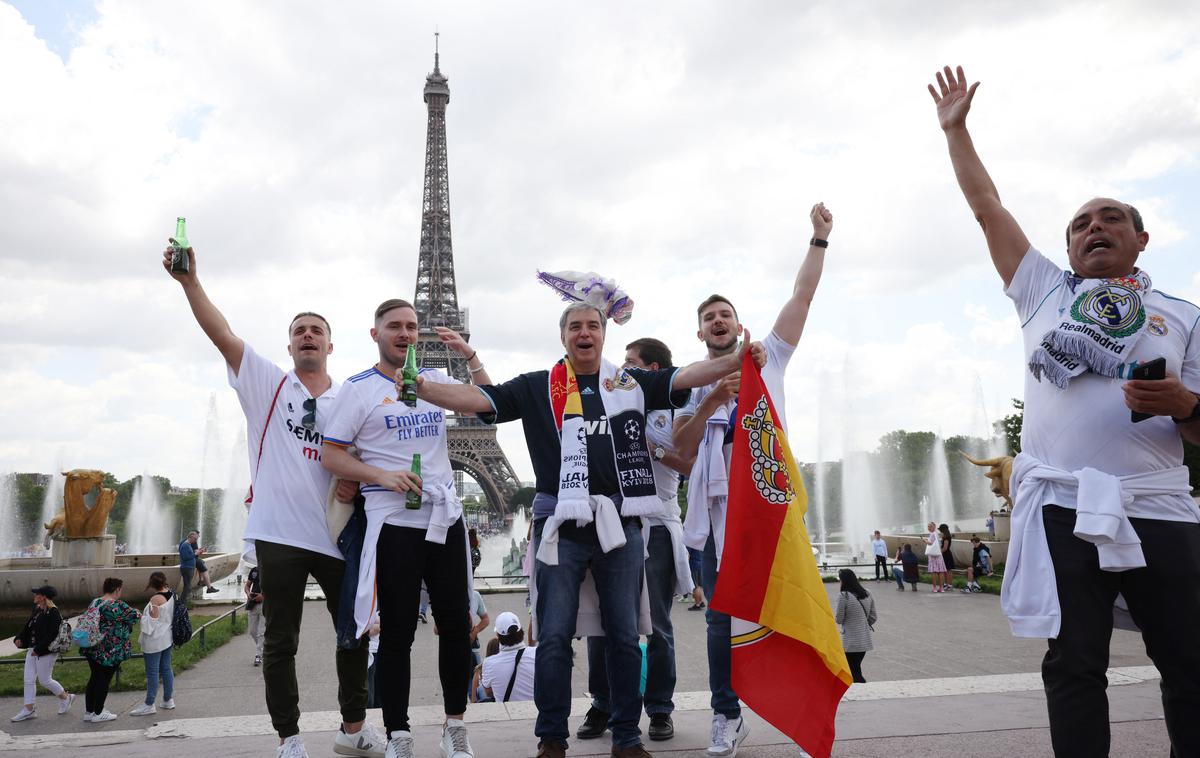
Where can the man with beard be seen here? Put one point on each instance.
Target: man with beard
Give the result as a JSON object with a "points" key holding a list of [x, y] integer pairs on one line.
{"points": [[415, 528], [1101, 505], [286, 524], [584, 422], [703, 431]]}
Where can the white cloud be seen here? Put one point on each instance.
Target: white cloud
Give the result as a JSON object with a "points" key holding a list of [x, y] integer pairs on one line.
{"points": [[675, 148]]}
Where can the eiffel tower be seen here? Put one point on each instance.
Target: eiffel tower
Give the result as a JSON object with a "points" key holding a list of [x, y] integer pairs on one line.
{"points": [[472, 443]]}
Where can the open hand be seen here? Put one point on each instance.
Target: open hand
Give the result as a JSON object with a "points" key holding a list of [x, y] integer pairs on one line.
{"points": [[454, 341], [955, 99]]}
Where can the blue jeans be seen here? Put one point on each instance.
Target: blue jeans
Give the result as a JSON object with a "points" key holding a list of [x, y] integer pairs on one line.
{"points": [[618, 576], [350, 542], [159, 664], [660, 648], [724, 700]]}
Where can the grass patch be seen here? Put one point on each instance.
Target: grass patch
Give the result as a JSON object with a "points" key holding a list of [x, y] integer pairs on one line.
{"points": [[990, 584], [73, 675]]}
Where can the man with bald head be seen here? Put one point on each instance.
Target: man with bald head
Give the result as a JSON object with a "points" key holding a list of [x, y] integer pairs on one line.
{"points": [[1102, 517]]}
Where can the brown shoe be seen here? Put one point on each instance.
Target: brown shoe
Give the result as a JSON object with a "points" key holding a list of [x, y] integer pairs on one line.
{"points": [[633, 751], [551, 749]]}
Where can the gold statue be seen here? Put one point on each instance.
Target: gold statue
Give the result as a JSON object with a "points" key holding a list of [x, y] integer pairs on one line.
{"points": [[1000, 473], [76, 519]]}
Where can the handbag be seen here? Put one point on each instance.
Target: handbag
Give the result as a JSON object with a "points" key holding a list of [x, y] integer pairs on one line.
{"points": [[932, 549]]}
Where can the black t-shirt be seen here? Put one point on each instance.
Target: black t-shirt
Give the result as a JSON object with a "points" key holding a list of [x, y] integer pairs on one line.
{"points": [[527, 397]]}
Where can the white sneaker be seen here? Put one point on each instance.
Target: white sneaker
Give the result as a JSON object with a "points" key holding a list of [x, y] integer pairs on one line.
{"points": [[169, 705], [400, 745], [143, 710], [292, 747], [103, 716], [88, 716], [365, 742], [65, 705], [727, 734], [24, 714], [454, 740]]}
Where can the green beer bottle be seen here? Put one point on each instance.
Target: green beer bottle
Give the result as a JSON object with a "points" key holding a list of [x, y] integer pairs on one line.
{"points": [[179, 248], [408, 385], [412, 500]]}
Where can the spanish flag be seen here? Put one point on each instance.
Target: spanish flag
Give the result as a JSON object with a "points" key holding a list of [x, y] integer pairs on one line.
{"points": [[787, 656]]}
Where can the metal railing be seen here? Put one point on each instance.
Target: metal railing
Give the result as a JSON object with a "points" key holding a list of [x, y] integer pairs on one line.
{"points": [[197, 636]]}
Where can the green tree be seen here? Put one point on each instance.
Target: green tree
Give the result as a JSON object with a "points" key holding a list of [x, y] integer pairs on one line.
{"points": [[1010, 427], [523, 497]]}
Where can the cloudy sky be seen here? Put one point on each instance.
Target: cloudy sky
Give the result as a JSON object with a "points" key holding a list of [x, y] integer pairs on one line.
{"points": [[676, 147]]}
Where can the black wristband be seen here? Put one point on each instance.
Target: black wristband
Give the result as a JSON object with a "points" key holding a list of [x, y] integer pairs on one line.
{"points": [[1195, 414], [815, 242], [472, 356]]}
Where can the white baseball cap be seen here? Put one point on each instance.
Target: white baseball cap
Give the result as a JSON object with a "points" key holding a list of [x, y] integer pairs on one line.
{"points": [[507, 623]]}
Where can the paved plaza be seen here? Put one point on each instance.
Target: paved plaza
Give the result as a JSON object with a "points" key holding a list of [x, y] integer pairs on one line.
{"points": [[946, 678]]}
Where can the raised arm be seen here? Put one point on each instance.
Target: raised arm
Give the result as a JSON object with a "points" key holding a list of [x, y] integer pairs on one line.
{"points": [[1006, 242], [461, 398], [207, 316], [790, 323], [455, 342]]}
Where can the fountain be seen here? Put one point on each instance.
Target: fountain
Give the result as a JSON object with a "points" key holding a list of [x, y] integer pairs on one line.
{"points": [[231, 523], [149, 528], [940, 498], [83, 554], [208, 456], [10, 519]]}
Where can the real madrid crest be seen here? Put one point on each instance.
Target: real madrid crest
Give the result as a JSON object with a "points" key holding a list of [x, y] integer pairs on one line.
{"points": [[623, 381], [1157, 326], [1113, 306], [769, 469]]}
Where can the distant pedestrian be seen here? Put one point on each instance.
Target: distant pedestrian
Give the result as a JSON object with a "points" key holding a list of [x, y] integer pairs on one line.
{"points": [[907, 571], [114, 648], [981, 565], [933, 553], [945, 544], [38, 633], [856, 614], [477, 695], [256, 627], [881, 556], [509, 674], [155, 641]]}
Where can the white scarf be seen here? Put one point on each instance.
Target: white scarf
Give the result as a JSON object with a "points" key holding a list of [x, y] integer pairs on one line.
{"points": [[1029, 597], [1099, 328], [447, 509], [708, 486]]}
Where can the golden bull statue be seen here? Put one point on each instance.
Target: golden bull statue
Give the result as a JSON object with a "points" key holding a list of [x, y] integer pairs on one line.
{"points": [[76, 519], [1000, 472]]}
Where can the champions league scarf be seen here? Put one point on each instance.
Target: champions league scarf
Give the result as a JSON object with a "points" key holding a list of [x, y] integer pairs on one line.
{"points": [[1103, 321], [624, 406]]}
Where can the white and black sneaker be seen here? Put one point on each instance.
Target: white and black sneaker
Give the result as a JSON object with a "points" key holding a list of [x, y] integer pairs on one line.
{"points": [[367, 742], [400, 745], [727, 734], [454, 740], [24, 714]]}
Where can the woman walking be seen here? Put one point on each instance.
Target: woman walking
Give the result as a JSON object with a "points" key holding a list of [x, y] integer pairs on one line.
{"points": [[116, 624], [945, 542], [39, 632], [856, 614], [156, 642], [933, 553]]}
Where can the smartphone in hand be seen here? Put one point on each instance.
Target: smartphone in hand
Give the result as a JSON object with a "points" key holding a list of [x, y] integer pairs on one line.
{"points": [[1155, 369]]}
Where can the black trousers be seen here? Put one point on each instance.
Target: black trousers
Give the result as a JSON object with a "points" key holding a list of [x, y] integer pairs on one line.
{"points": [[1164, 600], [96, 691], [402, 559], [881, 567], [855, 660]]}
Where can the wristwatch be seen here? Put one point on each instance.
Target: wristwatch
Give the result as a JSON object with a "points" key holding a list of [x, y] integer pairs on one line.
{"points": [[660, 453], [1195, 414]]}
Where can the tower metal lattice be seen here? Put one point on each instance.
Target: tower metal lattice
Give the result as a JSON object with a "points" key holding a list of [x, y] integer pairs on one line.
{"points": [[472, 444]]}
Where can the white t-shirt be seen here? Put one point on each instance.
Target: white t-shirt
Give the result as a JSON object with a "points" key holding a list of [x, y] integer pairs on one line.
{"points": [[1088, 423], [290, 485], [498, 669], [658, 432], [387, 433], [880, 547]]}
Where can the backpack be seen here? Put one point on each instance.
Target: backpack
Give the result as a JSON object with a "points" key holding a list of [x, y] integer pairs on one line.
{"points": [[181, 624], [62, 643], [87, 631]]}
